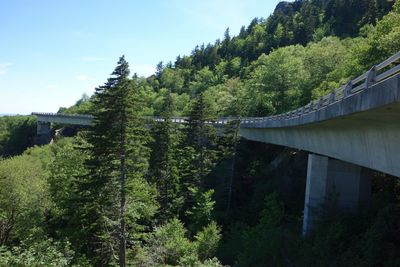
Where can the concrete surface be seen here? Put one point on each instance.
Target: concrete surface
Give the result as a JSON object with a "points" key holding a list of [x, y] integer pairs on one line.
{"points": [[345, 185]]}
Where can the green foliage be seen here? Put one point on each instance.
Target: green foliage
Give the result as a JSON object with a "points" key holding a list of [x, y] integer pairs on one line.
{"points": [[163, 170], [322, 59], [114, 198], [181, 106], [280, 76], [383, 40], [220, 99], [141, 207], [26, 206], [200, 139], [169, 245], [298, 22], [172, 238], [82, 106], [303, 64], [232, 243], [357, 240], [203, 79], [119, 186], [64, 171], [46, 253], [63, 176], [16, 134], [23, 195], [263, 241], [172, 79], [273, 212], [207, 241], [200, 212]]}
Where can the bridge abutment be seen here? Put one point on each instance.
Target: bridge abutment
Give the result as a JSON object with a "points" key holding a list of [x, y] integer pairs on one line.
{"points": [[44, 133], [348, 185]]}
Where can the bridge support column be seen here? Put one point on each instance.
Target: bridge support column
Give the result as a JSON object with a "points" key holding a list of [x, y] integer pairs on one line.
{"points": [[43, 134], [348, 184]]}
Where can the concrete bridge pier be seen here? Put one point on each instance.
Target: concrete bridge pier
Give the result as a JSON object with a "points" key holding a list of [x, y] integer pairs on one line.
{"points": [[44, 133], [348, 185]]}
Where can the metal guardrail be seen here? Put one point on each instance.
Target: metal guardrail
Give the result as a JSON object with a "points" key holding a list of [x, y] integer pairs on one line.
{"points": [[77, 116], [377, 73]]}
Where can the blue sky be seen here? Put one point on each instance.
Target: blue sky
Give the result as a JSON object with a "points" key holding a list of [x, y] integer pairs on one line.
{"points": [[51, 52]]}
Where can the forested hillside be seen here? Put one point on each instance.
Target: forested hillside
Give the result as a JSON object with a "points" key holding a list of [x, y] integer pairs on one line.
{"points": [[16, 134], [302, 51], [123, 193]]}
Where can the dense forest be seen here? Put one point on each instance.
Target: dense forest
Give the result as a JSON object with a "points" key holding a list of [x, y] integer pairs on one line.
{"points": [[128, 191]]}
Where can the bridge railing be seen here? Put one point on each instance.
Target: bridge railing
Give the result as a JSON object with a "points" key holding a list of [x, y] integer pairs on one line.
{"points": [[377, 73], [85, 116], [183, 120]]}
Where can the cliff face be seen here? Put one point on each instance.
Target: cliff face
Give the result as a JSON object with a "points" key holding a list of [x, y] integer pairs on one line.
{"points": [[287, 8]]}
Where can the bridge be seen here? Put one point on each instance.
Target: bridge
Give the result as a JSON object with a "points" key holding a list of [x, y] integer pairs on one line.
{"points": [[349, 132]]}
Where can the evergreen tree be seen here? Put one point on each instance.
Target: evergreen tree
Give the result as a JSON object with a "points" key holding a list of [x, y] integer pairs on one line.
{"points": [[118, 156], [159, 69], [198, 158], [229, 149], [224, 48], [201, 137], [163, 161]]}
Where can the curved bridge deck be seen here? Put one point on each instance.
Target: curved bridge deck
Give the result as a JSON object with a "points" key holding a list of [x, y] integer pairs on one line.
{"points": [[358, 123]]}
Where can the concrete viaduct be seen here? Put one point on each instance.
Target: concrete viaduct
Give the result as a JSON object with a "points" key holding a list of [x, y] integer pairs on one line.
{"points": [[349, 132]]}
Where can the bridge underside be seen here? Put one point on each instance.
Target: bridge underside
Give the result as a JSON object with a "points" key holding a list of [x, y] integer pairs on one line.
{"points": [[369, 137]]}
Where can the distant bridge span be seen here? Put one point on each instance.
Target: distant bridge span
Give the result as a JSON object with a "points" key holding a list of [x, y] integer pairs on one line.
{"points": [[358, 123]]}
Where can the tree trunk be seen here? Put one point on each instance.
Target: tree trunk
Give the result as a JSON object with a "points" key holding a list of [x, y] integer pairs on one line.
{"points": [[122, 230], [233, 165]]}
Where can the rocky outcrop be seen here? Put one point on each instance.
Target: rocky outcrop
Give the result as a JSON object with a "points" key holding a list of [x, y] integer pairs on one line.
{"points": [[287, 8]]}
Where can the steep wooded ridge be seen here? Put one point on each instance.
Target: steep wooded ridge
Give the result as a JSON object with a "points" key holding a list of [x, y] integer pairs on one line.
{"points": [[121, 193], [297, 22], [313, 53]]}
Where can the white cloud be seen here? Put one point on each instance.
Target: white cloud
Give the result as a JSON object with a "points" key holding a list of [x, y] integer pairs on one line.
{"points": [[4, 67], [91, 59], [81, 77], [143, 70]]}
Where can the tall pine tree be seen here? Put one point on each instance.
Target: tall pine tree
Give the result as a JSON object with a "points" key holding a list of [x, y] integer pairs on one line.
{"points": [[164, 171], [201, 138], [199, 156], [118, 159]]}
